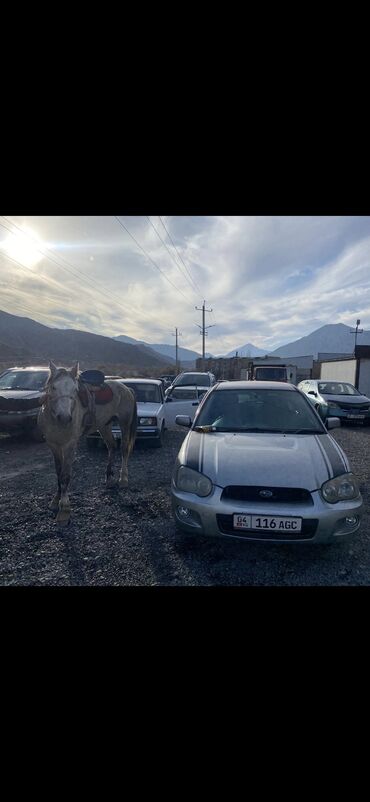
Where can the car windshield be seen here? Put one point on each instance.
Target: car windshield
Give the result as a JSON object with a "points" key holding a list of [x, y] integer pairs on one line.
{"points": [[24, 380], [199, 379], [146, 393], [337, 388], [250, 410]]}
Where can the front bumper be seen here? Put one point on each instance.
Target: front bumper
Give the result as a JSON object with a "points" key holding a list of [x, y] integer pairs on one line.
{"points": [[321, 522], [142, 433], [10, 421], [350, 416]]}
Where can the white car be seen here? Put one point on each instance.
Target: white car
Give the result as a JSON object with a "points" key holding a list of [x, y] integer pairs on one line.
{"points": [[150, 411], [182, 401]]}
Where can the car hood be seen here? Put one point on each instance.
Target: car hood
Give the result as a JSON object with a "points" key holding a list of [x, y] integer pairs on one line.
{"points": [[277, 460], [352, 400], [147, 410], [21, 393]]}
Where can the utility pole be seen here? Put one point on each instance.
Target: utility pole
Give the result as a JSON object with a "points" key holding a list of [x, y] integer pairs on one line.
{"points": [[177, 335], [357, 331], [203, 327]]}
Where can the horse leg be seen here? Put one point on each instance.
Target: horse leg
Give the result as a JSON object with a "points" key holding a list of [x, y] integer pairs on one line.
{"points": [[64, 512], [106, 433], [54, 504], [125, 453]]}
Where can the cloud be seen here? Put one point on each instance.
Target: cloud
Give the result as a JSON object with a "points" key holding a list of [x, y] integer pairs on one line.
{"points": [[269, 280]]}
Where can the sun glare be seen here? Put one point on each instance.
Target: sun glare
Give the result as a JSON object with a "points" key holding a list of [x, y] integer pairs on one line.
{"points": [[22, 248]]}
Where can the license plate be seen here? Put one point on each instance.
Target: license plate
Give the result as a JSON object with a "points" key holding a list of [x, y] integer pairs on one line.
{"points": [[360, 417], [267, 522]]}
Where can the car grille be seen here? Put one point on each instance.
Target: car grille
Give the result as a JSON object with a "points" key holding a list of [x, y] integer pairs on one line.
{"points": [[353, 408], [309, 526], [290, 495]]}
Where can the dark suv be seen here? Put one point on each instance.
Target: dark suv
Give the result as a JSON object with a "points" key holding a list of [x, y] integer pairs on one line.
{"points": [[21, 391]]}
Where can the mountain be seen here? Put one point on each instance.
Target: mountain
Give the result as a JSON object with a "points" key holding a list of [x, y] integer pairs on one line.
{"points": [[333, 338], [184, 354], [24, 339], [247, 350]]}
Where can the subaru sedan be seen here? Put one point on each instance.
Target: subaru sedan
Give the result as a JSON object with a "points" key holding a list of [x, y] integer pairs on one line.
{"points": [[338, 398], [259, 464]]}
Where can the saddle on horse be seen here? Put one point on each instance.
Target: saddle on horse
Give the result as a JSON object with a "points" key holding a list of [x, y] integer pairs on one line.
{"points": [[93, 390]]}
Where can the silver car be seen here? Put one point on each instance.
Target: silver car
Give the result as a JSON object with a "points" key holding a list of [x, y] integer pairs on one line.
{"points": [[151, 424], [339, 398], [259, 464]]}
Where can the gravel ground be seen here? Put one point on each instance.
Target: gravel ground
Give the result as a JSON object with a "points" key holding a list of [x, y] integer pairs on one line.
{"points": [[129, 538]]}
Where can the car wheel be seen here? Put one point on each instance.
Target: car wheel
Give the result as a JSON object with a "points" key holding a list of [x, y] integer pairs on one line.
{"points": [[92, 442], [35, 434]]}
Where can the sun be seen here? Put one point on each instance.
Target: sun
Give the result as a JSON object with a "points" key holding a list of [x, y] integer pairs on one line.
{"points": [[23, 248]]}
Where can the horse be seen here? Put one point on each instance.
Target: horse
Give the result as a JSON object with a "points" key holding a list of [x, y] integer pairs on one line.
{"points": [[69, 411]]}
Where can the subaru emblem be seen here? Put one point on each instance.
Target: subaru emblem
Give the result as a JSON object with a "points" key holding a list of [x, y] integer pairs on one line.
{"points": [[266, 493]]}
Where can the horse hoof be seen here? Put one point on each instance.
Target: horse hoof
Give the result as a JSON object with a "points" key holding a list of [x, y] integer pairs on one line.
{"points": [[123, 483], [63, 518]]}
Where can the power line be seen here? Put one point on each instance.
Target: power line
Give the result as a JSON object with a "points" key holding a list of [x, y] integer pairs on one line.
{"points": [[60, 259], [179, 255], [152, 260], [172, 257]]}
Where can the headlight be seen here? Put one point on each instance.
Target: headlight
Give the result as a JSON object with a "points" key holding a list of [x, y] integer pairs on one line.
{"points": [[193, 482], [147, 421], [342, 488]]}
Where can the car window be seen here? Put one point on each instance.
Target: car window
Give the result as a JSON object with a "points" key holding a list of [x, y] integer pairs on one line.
{"points": [[337, 388], [146, 393], [199, 379], [24, 380], [182, 394], [258, 410]]}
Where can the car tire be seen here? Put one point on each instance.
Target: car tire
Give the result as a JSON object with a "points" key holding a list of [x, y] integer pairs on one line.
{"points": [[92, 442], [35, 434]]}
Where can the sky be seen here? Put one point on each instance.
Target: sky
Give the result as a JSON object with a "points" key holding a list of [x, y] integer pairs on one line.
{"points": [[268, 280]]}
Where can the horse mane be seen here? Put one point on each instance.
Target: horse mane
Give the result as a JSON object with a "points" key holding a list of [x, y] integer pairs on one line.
{"points": [[57, 373]]}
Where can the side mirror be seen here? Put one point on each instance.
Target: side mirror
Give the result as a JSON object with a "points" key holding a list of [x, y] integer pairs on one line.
{"points": [[183, 420], [168, 399], [195, 403], [332, 423]]}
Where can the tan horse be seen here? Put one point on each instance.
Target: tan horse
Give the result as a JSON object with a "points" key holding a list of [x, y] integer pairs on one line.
{"points": [[63, 418]]}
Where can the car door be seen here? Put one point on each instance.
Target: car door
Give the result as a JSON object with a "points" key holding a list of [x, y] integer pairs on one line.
{"points": [[181, 401]]}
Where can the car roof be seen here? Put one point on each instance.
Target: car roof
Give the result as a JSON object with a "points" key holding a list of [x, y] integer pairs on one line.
{"points": [[30, 367], [142, 381], [186, 387], [253, 385]]}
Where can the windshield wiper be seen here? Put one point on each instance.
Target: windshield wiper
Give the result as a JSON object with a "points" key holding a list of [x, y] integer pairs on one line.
{"points": [[305, 431]]}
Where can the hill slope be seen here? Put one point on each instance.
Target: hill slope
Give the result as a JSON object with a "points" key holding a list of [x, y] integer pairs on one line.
{"points": [[334, 338], [23, 337]]}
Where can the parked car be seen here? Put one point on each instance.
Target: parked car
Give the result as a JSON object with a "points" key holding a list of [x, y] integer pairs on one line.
{"points": [[339, 398], [167, 380], [259, 464], [196, 379], [21, 390], [181, 401], [150, 412]]}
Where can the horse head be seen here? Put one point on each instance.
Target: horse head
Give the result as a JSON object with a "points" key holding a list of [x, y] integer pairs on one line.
{"points": [[62, 393]]}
